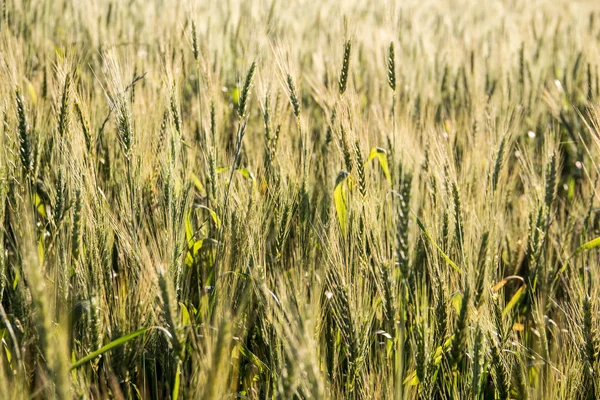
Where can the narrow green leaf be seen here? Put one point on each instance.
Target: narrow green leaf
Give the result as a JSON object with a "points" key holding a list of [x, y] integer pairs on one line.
{"points": [[199, 186], [112, 345], [213, 215], [381, 155], [189, 231], [515, 300], [197, 246], [242, 171], [246, 174], [444, 255], [457, 301], [185, 315], [245, 351], [589, 245], [32, 92], [340, 200], [412, 379], [177, 383]]}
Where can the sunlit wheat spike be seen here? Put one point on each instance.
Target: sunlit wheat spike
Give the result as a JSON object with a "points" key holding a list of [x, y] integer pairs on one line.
{"points": [[245, 93], [440, 313], [589, 334], [445, 229], [95, 323], [76, 232], [124, 126], [212, 173], [458, 230], [443, 85], [460, 329], [44, 79], [283, 230], [25, 147], [362, 183], [476, 364], [267, 118], [391, 67], [498, 164], [481, 268], [60, 202], [590, 90], [497, 317], [174, 106], [343, 81], [213, 123], [500, 375], [293, 96], [403, 220], [550, 181], [588, 350], [85, 128], [63, 117], [346, 149], [167, 305], [522, 65], [162, 131], [195, 41]]}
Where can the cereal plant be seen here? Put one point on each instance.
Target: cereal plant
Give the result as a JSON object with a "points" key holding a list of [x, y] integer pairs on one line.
{"points": [[269, 200]]}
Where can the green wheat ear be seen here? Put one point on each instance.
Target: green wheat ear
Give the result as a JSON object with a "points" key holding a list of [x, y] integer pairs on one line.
{"points": [[500, 375], [76, 233], [458, 230], [391, 67], [550, 182], [498, 164], [346, 149], [25, 147], [63, 118], [174, 106], [476, 364], [195, 41], [85, 127], [124, 126], [293, 96], [345, 67], [243, 102], [588, 348], [460, 329], [360, 167]]}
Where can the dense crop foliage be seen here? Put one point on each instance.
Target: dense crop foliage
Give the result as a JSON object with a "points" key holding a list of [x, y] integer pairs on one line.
{"points": [[270, 199]]}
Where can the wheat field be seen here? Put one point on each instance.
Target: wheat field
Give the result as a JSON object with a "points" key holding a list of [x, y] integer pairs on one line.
{"points": [[295, 200]]}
